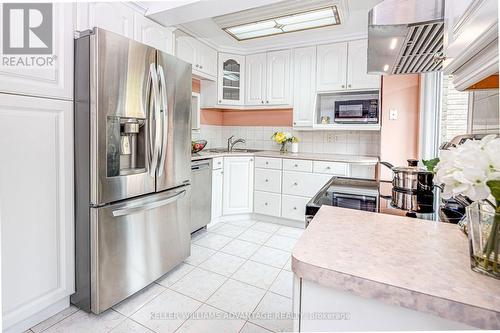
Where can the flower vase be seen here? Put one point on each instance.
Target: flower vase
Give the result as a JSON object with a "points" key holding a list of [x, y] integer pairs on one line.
{"points": [[295, 147], [484, 239], [283, 147]]}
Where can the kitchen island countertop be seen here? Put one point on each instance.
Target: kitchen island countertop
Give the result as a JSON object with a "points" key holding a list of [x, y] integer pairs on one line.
{"points": [[369, 160], [412, 263]]}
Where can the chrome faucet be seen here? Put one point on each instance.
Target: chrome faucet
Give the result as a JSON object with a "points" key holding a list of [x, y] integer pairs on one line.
{"points": [[231, 143]]}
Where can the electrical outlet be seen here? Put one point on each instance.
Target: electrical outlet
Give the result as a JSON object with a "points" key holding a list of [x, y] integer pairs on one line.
{"points": [[393, 114], [330, 137]]}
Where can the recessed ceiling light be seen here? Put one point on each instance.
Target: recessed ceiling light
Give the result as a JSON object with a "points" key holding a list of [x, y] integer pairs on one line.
{"points": [[305, 20], [386, 67]]}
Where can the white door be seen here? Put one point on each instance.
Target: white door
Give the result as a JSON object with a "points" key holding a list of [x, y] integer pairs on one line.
{"points": [[186, 48], [207, 59], [278, 77], [357, 78], [54, 78], [304, 86], [331, 67], [112, 16], [217, 189], [231, 79], [152, 34], [238, 185], [255, 74], [36, 205]]}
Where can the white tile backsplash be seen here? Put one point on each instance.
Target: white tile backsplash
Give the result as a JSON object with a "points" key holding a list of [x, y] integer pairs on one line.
{"points": [[328, 142]]}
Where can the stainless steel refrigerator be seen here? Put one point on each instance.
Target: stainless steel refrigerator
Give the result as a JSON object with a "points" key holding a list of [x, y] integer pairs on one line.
{"points": [[132, 167]]}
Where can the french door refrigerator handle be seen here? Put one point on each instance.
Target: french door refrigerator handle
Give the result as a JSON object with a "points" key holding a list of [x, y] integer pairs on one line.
{"points": [[152, 205], [164, 117], [153, 119]]}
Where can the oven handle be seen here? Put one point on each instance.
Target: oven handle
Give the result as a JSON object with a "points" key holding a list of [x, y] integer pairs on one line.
{"points": [[148, 206]]}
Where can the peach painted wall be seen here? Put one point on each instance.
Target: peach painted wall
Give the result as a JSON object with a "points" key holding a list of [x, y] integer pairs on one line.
{"points": [[399, 138]]}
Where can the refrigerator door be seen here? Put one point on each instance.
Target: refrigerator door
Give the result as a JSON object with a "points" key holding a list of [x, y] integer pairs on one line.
{"points": [[174, 165], [124, 97], [135, 242]]}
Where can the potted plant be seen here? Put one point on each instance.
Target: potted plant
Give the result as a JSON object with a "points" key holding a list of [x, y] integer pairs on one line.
{"points": [[282, 138], [473, 170]]}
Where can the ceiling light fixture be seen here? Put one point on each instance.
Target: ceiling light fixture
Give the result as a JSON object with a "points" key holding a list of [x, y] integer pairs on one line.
{"points": [[394, 43], [305, 20], [386, 67]]}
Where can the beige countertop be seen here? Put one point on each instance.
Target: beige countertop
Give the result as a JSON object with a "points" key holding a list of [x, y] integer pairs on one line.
{"points": [[304, 156], [417, 264]]}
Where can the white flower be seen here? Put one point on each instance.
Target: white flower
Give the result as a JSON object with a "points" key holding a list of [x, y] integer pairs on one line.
{"points": [[466, 168]]}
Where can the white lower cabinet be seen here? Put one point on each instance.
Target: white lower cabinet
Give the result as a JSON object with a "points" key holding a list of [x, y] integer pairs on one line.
{"points": [[302, 183], [37, 216], [332, 168], [238, 185], [268, 180], [293, 207], [267, 203], [217, 190]]}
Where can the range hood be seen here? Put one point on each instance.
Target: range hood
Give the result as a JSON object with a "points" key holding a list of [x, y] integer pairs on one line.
{"points": [[405, 36]]}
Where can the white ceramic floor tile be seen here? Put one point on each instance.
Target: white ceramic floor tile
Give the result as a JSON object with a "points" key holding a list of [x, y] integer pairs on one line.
{"points": [[166, 312], [240, 248], [199, 284], [288, 265], [229, 230], [256, 274], [270, 313], [252, 328], [290, 232], [269, 256], [198, 255], [255, 236], [222, 263], [130, 326], [283, 284], [246, 223], [281, 243], [175, 274], [213, 241], [54, 319], [83, 322], [208, 319], [130, 305], [265, 227], [236, 297]]}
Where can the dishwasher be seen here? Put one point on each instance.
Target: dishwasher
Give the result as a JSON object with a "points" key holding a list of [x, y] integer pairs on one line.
{"points": [[201, 194]]}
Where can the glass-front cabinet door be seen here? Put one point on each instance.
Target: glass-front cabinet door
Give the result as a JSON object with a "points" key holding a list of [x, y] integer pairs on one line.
{"points": [[231, 79]]}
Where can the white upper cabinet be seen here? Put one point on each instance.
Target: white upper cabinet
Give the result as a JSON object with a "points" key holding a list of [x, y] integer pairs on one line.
{"points": [[256, 68], [54, 81], [201, 56], [304, 86], [238, 185], [357, 77], [278, 77], [152, 34], [112, 16], [230, 80], [331, 67]]}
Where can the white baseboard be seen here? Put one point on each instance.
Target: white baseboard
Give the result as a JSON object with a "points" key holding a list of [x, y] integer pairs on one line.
{"points": [[280, 220], [37, 318]]}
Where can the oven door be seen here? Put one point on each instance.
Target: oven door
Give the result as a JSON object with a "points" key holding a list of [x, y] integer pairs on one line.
{"points": [[355, 201]]}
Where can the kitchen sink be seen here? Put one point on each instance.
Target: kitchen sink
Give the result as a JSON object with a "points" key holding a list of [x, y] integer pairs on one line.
{"points": [[234, 151]]}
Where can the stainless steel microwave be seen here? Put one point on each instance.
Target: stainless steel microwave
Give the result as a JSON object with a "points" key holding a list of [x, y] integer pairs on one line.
{"points": [[360, 107]]}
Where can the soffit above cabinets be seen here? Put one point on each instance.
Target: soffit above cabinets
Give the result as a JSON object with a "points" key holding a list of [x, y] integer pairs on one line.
{"points": [[353, 17]]}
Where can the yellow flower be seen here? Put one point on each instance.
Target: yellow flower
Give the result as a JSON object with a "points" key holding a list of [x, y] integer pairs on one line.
{"points": [[279, 137]]}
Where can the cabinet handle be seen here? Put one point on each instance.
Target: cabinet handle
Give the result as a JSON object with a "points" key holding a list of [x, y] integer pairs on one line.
{"points": [[296, 165], [220, 101], [265, 204], [267, 163], [196, 66], [294, 208], [219, 163], [295, 184], [294, 123], [267, 180], [349, 86], [262, 102], [343, 86], [328, 168], [267, 101], [201, 66]]}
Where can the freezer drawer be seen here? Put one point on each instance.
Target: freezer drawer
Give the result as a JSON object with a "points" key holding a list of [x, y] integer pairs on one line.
{"points": [[133, 243]]}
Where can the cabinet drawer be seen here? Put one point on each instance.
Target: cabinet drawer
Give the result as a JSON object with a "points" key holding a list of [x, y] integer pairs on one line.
{"points": [[303, 184], [362, 171], [293, 207], [331, 168], [218, 163], [268, 180], [267, 203], [268, 163], [298, 165]]}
